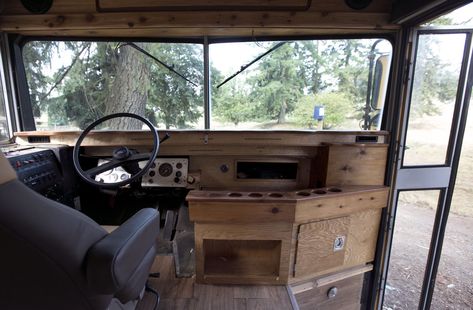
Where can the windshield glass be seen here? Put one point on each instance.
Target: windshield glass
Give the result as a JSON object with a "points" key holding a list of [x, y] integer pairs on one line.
{"points": [[300, 84], [72, 84], [309, 84]]}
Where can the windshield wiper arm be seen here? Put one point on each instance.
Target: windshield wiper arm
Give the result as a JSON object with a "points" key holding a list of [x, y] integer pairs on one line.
{"points": [[244, 67], [170, 68]]}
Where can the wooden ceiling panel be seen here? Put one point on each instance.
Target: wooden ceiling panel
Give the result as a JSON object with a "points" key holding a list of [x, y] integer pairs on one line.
{"points": [[81, 18]]}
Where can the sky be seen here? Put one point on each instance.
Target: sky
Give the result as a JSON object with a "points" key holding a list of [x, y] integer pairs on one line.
{"points": [[463, 15]]}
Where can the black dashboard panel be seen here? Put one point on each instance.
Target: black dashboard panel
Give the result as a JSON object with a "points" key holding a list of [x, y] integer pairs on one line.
{"points": [[38, 169]]}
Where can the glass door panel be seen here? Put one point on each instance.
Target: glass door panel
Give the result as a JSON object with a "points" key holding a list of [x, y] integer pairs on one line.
{"points": [[415, 217], [454, 284], [437, 67]]}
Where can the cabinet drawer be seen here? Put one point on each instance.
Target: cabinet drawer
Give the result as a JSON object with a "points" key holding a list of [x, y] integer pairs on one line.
{"points": [[344, 294]]}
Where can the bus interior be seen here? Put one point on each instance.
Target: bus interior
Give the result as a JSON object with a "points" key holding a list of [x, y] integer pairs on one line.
{"points": [[236, 155]]}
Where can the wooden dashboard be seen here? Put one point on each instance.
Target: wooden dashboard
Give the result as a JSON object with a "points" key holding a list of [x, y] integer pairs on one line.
{"points": [[321, 158]]}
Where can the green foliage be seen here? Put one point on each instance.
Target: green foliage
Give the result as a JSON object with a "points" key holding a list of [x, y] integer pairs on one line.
{"points": [[176, 102], [232, 104], [338, 107], [36, 57], [277, 85]]}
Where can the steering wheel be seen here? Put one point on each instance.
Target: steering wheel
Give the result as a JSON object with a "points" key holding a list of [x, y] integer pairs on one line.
{"points": [[121, 155]]}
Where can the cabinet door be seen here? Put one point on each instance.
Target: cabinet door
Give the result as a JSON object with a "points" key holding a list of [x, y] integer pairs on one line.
{"points": [[321, 245]]}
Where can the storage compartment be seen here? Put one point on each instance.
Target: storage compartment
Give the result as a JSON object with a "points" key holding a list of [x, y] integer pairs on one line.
{"points": [[266, 170], [242, 258]]}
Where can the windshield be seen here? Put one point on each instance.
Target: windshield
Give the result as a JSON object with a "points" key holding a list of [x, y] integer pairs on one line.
{"points": [[72, 84], [301, 84], [309, 84]]}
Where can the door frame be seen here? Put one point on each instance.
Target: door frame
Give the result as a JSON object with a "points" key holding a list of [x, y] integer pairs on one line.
{"points": [[425, 177]]}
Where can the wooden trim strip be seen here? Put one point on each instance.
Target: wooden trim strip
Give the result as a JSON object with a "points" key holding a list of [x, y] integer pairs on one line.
{"points": [[140, 6], [308, 285]]}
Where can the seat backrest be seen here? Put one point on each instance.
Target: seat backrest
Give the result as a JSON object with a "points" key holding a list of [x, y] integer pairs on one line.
{"points": [[44, 246]]}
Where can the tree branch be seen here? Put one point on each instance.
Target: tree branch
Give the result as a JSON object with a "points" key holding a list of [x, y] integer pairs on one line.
{"points": [[63, 75]]}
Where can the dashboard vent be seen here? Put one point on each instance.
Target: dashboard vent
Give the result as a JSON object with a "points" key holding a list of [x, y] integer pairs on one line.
{"points": [[366, 139], [39, 139]]}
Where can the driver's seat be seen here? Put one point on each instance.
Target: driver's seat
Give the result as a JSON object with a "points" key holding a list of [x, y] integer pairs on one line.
{"points": [[54, 257]]}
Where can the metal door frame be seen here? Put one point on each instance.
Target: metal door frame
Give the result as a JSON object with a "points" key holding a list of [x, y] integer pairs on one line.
{"points": [[428, 177]]}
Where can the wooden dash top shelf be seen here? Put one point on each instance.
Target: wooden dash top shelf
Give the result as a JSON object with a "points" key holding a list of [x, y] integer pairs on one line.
{"points": [[279, 196]]}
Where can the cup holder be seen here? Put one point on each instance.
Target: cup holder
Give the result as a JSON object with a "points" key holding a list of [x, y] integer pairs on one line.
{"points": [[215, 195], [235, 195], [334, 190], [319, 192], [275, 195], [303, 194], [255, 195]]}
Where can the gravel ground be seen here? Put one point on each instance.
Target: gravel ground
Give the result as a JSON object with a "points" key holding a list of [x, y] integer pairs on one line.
{"points": [[454, 286]]}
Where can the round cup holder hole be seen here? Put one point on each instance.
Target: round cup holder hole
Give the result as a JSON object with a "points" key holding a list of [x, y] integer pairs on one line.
{"points": [[319, 192], [255, 195], [303, 194], [235, 195], [215, 195], [275, 195], [334, 190]]}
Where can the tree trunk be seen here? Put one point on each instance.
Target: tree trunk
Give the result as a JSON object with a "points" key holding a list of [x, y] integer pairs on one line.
{"points": [[129, 91], [282, 113]]}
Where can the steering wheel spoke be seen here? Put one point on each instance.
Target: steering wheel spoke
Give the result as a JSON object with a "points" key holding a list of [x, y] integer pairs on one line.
{"points": [[139, 157], [91, 173]]}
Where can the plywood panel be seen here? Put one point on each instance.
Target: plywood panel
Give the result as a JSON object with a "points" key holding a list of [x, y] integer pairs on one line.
{"points": [[316, 250], [363, 235], [360, 245], [356, 164]]}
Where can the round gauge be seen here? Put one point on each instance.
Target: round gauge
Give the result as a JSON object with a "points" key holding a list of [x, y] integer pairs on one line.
{"points": [[165, 170]]}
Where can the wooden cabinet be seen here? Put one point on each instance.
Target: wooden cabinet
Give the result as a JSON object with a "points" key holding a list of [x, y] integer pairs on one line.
{"points": [[242, 253], [244, 238]]}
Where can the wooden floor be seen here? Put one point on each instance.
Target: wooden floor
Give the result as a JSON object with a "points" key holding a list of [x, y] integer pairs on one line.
{"points": [[184, 293]]}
